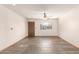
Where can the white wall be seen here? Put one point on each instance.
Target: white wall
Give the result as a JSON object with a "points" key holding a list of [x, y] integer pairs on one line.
{"points": [[69, 27], [38, 32], [8, 20]]}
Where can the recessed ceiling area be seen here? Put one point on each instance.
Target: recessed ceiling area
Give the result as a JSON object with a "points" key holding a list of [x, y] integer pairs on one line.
{"points": [[37, 10]]}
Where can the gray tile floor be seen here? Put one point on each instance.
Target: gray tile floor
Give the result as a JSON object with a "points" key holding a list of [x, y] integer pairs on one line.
{"points": [[41, 45]]}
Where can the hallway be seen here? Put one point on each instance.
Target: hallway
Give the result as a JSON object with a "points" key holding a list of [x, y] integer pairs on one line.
{"points": [[41, 45]]}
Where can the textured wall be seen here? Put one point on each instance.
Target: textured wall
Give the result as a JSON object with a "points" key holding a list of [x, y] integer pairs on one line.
{"points": [[52, 32], [69, 27], [13, 27]]}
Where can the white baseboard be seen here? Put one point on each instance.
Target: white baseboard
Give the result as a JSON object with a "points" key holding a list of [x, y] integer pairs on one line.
{"points": [[8, 44], [71, 42]]}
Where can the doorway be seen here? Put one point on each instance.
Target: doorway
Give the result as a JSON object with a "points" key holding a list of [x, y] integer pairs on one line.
{"points": [[31, 29]]}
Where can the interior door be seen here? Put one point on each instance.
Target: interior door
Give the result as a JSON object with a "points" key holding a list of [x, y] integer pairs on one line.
{"points": [[31, 29]]}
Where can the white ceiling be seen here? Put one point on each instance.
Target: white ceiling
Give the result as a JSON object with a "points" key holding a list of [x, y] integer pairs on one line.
{"points": [[36, 10]]}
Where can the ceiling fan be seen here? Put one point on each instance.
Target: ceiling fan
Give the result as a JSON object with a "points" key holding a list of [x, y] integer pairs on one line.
{"points": [[45, 16]]}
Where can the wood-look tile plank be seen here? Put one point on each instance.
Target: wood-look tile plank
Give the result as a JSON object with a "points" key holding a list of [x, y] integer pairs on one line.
{"points": [[41, 45]]}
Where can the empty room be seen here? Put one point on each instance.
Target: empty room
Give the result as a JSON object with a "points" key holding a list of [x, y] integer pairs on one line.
{"points": [[39, 29]]}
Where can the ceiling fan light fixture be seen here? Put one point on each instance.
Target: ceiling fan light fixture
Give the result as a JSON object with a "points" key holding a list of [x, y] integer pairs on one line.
{"points": [[45, 16]]}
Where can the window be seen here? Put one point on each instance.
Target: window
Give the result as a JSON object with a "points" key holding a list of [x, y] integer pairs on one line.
{"points": [[45, 26]]}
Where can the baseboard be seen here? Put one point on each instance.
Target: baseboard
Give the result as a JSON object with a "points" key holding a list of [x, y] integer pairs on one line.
{"points": [[71, 42], [13, 42]]}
